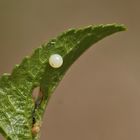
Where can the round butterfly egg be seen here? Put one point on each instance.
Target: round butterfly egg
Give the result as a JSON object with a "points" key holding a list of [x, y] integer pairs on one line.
{"points": [[55, 60]]}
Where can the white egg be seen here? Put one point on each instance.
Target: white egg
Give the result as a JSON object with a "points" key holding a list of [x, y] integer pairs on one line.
{"points": [[56, 60]]}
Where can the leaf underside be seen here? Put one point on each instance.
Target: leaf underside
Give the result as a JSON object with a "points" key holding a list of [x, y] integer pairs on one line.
{"points": [[18, 110]]}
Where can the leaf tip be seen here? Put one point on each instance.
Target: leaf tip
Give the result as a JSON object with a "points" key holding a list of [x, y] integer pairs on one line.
{"points": [[121, 27]]}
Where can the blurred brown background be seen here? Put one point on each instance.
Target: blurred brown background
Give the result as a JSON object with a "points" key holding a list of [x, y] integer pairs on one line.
{"points": [[99, 98]]}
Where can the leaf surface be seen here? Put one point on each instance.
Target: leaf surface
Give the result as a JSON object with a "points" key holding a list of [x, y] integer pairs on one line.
{"points": [[19, 113]]}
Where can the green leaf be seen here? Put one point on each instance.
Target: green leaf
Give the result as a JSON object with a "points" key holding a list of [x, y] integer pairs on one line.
{"points": [[20, 115]]}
